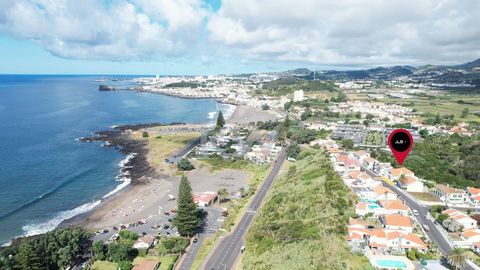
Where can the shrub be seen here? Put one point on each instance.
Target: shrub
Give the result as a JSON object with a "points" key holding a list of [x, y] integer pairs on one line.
{"points": [[125, 265], [145, 134], [172, 245], [124, 234], [185, 165]]}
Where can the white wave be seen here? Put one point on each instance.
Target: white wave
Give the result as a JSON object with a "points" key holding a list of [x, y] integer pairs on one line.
{"points": [[124, 161], [211, 115], [39, 228], [126, 181]]}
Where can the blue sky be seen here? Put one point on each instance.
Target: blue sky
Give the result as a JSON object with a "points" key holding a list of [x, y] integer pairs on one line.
{"points": [[232, 36]]}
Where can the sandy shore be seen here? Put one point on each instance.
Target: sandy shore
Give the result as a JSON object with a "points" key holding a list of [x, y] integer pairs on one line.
{"points": [[147, 198]]}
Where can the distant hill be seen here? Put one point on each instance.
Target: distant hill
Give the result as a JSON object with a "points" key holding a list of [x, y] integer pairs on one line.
{"points": [[470, 65], [458, 77]]}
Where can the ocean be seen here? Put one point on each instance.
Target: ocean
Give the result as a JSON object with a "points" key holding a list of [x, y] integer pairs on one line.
{"points": [[46, 175]]}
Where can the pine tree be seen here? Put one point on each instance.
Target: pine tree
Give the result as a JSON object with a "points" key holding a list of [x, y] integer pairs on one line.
{"points": [[220, 120], [27, 258], [188, 216]]}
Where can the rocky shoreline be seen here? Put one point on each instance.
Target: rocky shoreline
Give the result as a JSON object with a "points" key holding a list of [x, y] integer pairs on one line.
{"points": [[137, 167]]}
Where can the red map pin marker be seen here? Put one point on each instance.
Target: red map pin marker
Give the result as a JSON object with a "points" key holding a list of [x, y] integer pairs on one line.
{"points": [[400, 142]]}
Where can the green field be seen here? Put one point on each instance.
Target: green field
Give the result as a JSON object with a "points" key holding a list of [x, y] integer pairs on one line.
{"points": [[104, 265], [166, 262], [374, 138], [303, 222]]}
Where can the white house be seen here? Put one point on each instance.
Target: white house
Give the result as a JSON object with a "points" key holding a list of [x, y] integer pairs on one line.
{"points": [[411, 184], [395, 173], [449, 194], [394, 207], [396, 222], [402, 242], [471, 235], [144, 242], [461, 218]]}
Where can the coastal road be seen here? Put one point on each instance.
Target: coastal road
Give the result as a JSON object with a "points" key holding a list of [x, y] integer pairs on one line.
{"points": [[212, 222], [175, 157], [434, 233], [227, 252]]}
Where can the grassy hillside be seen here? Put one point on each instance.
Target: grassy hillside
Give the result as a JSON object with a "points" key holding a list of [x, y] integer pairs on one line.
{"points": [[284, 86], [303, 222]]}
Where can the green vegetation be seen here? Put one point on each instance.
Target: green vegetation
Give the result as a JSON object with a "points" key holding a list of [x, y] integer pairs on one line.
{"points": [[145, 134], [284, 86], [374, 138], [303, 223], [445, 159], [220, 121], [185, 165], [172, 245], [257, 174], [57, 249], [457, 258], [166, 262], [183, 85], [347, 144], [188, 216], [128, 235], [293, 130], [293, 150], [104, 265]]}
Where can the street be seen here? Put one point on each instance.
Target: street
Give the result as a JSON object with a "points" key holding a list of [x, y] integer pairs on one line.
{"points": [[434, 233], [227, 252]]}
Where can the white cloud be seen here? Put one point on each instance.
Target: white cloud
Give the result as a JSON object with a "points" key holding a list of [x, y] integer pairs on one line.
{"points": [[318, 32], [108, 30], [363, 32]]}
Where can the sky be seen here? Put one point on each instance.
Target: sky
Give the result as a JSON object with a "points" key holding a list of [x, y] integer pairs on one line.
{"points": [[175, 37]]}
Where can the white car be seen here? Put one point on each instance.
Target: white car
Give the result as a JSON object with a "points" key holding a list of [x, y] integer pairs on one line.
{"points": [[415, 212]]}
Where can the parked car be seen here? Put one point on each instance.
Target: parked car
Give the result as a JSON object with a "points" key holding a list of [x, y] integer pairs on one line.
{"points": [[426, 228], [415, 212], [195, 240]]}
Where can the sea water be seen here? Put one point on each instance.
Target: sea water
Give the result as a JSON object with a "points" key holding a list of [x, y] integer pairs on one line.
{"points": [[46, 175]]}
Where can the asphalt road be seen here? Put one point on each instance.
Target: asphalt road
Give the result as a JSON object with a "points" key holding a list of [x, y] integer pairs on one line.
{"points": [[227, 252], [434, 232], [174, 158], [212, 222]]}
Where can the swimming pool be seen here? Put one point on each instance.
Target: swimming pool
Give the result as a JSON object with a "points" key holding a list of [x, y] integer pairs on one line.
{"points": [[368, 200], [388, 263], [373, 206]]}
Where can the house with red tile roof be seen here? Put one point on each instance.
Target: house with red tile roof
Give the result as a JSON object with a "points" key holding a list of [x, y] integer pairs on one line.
{"points": [[205, 199], [396, 222], [461, 218], [384, 193], [412, 184], [394, 207], [403, 242], [395, 173]]}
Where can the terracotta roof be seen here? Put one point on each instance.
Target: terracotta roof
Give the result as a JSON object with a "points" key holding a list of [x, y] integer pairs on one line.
{"points": [[353, 221], [471, 233], [394, 204], [380, 190], [378, 233], [352, 162], [343, 158], [407, 236], [369, 159], [473, 191], [447, 190], [361, 205], [410, 180], [400, 171], [397, 220], [204, 197]]}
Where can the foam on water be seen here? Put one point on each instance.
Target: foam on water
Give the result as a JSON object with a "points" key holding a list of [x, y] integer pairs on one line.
{"points": [[39, 228]]}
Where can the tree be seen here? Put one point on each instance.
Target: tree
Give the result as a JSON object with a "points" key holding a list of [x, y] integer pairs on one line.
{"points": [[437, 120], [118, 252], [423, 133], [220, 121], [358, 115], [293, 150], [341, 97], [125, 234], [411, 255], [185, 165], [347, 144], [27, 258], [370, 116], [188, 215], [145, 134], [465, 113], [222, 194], [457, 258], [98, 250]]}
